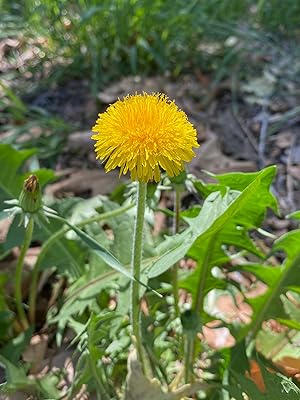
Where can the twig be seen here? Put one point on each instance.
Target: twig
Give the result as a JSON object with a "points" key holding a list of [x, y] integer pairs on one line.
{"points": [[290, 181], [263, 118], [234, 110], [246, 131]]}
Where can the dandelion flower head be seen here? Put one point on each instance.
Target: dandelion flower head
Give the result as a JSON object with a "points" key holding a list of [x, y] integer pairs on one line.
{"points": [[143, 134]]}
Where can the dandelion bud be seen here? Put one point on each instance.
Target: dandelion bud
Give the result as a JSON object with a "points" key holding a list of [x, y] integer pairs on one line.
{"points": [[30, 199], [179, 181]]}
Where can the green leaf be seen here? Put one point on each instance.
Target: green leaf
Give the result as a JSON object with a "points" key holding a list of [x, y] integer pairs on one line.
{"points": [[11, 180], [98, 333], [233, 212], [47, 386], [6, 321], [222, 228], [289, 323], [278, 346], [66, 255], [122, 226], [11, 183], [292, 310], [270, 343], [235, 181], [239, 361], [294, 215], [13, 349], [269, 305], [80, 295], [289, 243], [15, 377], [17, 380], [190, 283], [104, 254], [277, 386], [268, 274], [15, 235]]}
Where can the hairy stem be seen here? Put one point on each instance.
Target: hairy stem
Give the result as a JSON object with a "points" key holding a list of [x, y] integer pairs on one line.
{"points": [[18, 274], [136, 266]]}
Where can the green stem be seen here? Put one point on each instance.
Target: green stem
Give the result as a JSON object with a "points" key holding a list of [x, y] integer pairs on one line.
{"points": [[188, 358], [177, 205], [136, 266], [51, 241], [101, 393], [18, 274]]}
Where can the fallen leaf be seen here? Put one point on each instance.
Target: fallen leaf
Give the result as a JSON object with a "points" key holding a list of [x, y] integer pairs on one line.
{"points": [[4, 228], [80, 141], [218, 337], [93, 181], [35, 352], [295, 155], [256, 375], [284, 140], [294, 170], [230, 310], [210, 157], [290, 365]]}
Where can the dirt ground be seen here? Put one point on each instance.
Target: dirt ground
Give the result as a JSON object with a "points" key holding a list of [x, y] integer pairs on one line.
{"points": [[234, 134]]}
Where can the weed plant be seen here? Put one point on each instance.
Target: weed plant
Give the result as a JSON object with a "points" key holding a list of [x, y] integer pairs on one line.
{"points": [[135, 313]]}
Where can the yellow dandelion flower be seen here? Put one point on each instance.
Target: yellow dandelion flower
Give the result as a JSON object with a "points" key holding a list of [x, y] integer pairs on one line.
{"points": [[142, 134]]}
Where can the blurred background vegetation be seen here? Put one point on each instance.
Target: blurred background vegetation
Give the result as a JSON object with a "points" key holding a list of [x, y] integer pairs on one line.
{"points": [[77, 48], [232, 65], [106, 39]]}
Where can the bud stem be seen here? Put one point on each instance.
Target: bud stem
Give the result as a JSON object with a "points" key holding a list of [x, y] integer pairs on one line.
{"points": [[18, 275]]}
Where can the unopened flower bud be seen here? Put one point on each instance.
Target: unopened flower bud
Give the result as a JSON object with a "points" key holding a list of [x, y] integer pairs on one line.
{"points": [[30, 199]]}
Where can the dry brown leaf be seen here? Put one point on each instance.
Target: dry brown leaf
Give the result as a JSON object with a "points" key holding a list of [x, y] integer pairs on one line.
{"points": [[218, 338], [284, 140], [130, 85], [210, 157], [294, 170], [187, 92], [35, 352], [4, 228], [160, 218], [31, 256], [256, 375], [81, 141], [290, 365], [95, 181], [229, 309]]}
